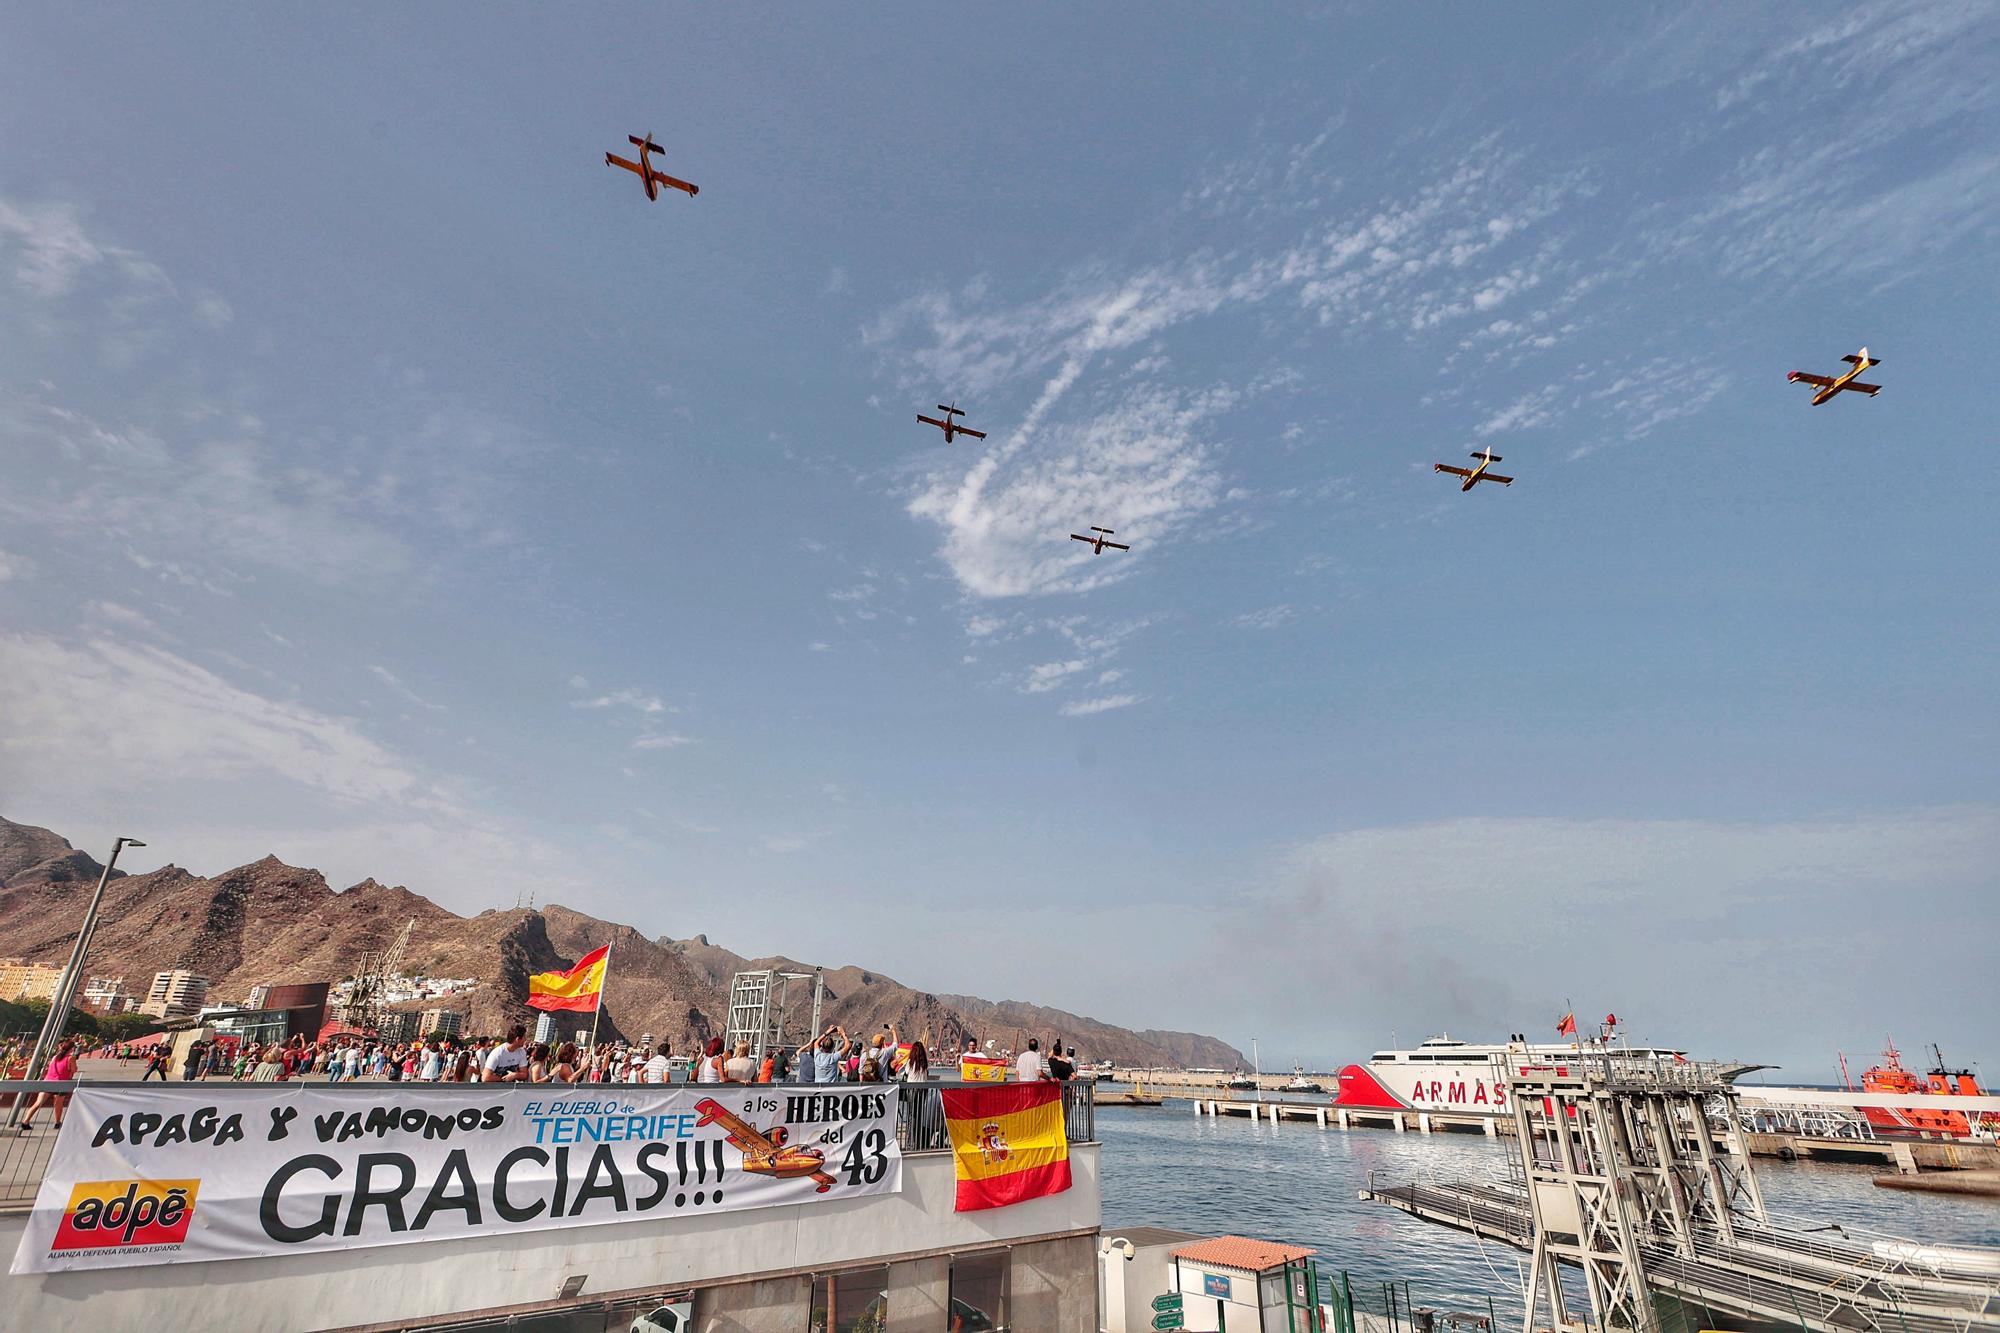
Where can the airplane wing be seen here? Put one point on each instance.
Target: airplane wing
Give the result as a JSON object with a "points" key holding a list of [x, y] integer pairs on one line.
{"points": [[1817, 381], [1858, 387], [1116, 546], [664, 179], [1495, 476], [613, 160], [975, 434], [741, 1133], [930, 421], [1079, 537], [1455, 471]]}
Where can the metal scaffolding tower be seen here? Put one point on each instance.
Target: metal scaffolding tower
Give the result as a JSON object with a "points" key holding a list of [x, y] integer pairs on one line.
{"points": [[1616, 1156], [762, 1003], [1621, 1177]]}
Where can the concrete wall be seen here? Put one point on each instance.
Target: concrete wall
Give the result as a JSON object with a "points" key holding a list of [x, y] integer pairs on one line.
{"points": [[391, 1284], [1053, 1286]]}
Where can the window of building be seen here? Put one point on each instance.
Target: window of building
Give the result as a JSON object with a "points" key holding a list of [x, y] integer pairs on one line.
{"points": [[979, 1293], [856, 1301]]}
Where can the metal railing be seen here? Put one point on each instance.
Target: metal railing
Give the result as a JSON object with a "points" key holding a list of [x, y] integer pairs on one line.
{"points": [[920, 1124], [921, 1128]]}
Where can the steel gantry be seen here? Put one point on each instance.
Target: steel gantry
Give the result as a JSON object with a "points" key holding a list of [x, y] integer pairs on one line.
{"points": [[1621, 1176]]}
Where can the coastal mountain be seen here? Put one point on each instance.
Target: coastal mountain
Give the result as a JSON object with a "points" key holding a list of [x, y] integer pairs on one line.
{"points": [[268, 922]]}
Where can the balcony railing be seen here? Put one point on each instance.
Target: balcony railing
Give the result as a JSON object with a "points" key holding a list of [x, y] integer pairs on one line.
{"points": [[24, 1158]]}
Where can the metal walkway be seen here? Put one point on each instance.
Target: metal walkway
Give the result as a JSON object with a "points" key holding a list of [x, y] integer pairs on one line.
{"points": [[1768, 1274]]}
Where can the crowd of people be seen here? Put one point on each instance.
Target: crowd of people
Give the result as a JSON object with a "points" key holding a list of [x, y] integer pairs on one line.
{"points": [[834, 1056]]}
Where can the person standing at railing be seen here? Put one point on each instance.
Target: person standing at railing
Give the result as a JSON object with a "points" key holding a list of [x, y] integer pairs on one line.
{"points": [[61, 1069], [917, 1068]]}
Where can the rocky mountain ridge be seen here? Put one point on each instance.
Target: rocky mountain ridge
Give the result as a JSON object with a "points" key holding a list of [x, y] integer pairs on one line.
{"points": [[269, 922]]}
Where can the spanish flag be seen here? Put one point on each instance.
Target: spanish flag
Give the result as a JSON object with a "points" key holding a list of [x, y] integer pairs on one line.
{"points": [[1007, 1142], [578, 988]]}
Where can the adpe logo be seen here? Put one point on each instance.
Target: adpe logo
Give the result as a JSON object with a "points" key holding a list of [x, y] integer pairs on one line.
{"points": [[125, 1214]]}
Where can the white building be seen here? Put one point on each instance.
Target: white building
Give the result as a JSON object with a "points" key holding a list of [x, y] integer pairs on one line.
{"points": [[174, 994], [450, 1022]]}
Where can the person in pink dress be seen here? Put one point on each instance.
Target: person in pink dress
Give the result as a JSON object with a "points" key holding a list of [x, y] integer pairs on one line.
{"points": [[61, 1069]]}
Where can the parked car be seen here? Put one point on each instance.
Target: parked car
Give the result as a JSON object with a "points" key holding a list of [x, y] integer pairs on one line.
{"points": [[673, 1317]]}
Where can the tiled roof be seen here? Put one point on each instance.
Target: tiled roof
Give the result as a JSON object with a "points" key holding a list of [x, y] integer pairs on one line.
{"points": [[1252, 1256]]}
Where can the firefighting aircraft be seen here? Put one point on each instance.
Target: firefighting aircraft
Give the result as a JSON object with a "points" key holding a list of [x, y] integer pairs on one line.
{"points": [[950, 427], [1100, 541], [643, 168], [1473, 476], [766, 1154], [1829, 387]]}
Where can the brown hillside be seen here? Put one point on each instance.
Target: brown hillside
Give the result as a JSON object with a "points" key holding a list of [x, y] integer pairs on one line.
{"points": [[268, 922]]}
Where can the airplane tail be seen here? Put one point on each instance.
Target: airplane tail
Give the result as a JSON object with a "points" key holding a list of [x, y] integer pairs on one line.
{"points": [[645, 143]]}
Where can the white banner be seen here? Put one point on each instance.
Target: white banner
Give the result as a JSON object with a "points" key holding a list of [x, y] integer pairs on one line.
{"points": [[182, 1175]]}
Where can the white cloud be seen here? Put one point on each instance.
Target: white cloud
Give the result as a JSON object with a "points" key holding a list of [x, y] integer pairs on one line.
{"points": [[1268, 617], [400, 690], [75, 709], [12, 566], [1477, 922], [1104, 704], [638, 701], [1143, 466], [1050, 675], [663, 740], [49, 245]]}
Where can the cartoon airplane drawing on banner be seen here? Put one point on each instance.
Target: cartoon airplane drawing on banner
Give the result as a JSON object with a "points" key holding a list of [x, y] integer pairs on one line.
{"points": [[766, 1154]]}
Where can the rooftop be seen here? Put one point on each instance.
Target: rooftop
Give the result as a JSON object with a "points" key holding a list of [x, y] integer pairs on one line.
{"points": [[1252, 1256]]}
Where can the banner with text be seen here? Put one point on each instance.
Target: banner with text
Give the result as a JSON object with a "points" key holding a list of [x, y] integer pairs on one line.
{"points": [[167, 1177]]}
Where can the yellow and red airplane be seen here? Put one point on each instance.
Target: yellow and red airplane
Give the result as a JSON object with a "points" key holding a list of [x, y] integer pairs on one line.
{"points": [[950, 427], [1473, 476], [766, 1154], [1846, 383], [644, 170], [1100, 542]]}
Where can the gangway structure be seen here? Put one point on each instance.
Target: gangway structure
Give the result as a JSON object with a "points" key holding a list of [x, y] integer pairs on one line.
{"points": [[762, 1005], [1620, 1178]]}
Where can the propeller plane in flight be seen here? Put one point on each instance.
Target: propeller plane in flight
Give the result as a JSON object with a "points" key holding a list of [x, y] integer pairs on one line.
{"points": [[1829, 386], [1473, 476], [1101, 542], [646, 172], [950, 427]]}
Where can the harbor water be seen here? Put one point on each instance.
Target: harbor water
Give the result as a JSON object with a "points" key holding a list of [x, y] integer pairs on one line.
{"points": [[1295, 1182]]}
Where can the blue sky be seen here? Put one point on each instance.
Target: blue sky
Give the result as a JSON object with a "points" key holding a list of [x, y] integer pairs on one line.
{"points": [[389, 486]]}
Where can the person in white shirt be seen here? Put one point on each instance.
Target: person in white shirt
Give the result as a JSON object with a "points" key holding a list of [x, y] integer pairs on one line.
{"points": [[509, 1063], [659, 1069], [1028, 1067], [432, 1064], [710, 1070]]}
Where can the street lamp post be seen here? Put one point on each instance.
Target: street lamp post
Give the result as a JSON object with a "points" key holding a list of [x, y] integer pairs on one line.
{"points": [[59, 1005]]}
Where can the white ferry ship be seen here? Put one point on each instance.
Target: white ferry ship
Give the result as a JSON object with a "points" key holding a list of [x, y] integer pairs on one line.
{"points": [[1445, 1074]]}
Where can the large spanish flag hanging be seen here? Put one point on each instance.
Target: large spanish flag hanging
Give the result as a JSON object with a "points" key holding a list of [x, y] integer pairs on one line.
{"points": [[1008, 1143], [578, 988]]}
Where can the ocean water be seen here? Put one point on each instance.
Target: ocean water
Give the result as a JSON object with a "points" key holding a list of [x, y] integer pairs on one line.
{"points": [[1294, 1182]]}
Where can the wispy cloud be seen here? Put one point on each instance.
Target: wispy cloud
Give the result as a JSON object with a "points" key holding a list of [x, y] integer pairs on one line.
{"points": [[1103, 704], [639, 701], [400, 690]]}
